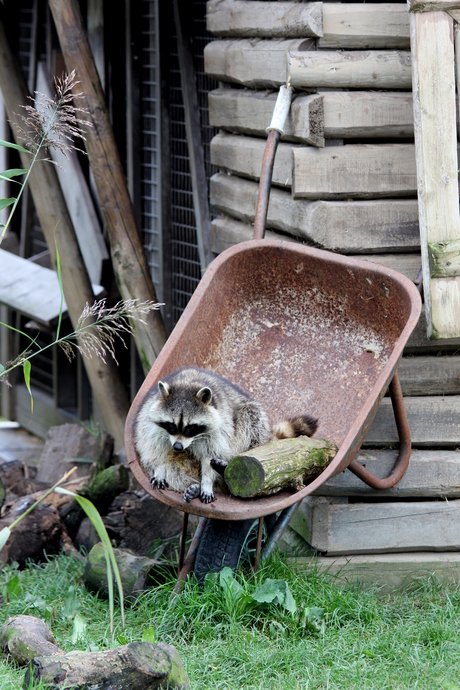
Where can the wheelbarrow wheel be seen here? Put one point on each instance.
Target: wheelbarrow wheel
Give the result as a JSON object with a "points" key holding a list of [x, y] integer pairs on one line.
{"points": [[228, 544]]}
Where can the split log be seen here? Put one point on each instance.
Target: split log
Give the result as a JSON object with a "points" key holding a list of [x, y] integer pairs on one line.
{"points": [[383, 225], [41, 531], [287, 464], [135, 666], [135, 571], [355, 25], [57, 227], [25, 637], [128, 257]]}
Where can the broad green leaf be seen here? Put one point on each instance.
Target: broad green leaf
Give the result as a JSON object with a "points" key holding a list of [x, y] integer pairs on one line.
{"points": [[269, 591], [79, 628], [13, 172], [229, 584], [289, 601], [12, 589], [27, 367], [6, 202], [122, 639], [17, 147], [149, 635], [4, 536], [312, 618]]}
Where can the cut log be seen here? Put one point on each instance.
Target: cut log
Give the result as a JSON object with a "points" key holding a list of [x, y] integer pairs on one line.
{"points": [[354, 171], [343, 226], [254, 63], [280, 20], [135, 571], [25, 637], [250, 113], [358, 69], [338, 528], [287, 464], [356, 25], [243, 155], [328, 114], [431, 474], [135, 666]]}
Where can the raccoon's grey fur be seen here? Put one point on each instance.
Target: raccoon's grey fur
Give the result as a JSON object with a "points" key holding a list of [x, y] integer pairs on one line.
{"points": [[195, 417]]}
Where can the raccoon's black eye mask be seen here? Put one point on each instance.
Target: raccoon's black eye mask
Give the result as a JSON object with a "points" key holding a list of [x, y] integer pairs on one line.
{"points": [[189, 431], [170, 427]]}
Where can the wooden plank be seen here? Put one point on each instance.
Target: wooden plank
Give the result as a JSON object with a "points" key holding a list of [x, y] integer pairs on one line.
{"points": [[433, 421], [330, 115], [353, 25], [250, 113], [354, 171], [272, 20], [388, 572], [227, 232], [430, 375], [194, 143], [433, 5], [251, 62], [419, 341], [343, 226], [358, 69], [243, 155], [32, 289], [358, 528], [437, 162], [431, 473], [367, 113]]}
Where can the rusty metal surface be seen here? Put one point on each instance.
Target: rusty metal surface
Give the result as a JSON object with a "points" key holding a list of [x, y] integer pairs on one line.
{"points": [[301, 330]]}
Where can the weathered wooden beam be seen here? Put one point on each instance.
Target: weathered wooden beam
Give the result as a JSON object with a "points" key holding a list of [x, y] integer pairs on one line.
{"points": [[354, 171], [243, 155], [430, 375], [357, 25], [280, 20], [250, 112], [433, 421], [357, 69], [433, 5], [58, 229], [338, 528], [388, 573], [257, 64], [344, 226], [419, 341], [437, 168], [128, 258]]}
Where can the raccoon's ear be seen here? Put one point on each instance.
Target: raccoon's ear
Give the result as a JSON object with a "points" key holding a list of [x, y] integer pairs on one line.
{"points": [[163, 389], [204, 395]]}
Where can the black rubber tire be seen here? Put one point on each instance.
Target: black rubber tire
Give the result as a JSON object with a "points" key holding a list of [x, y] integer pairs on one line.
{"points": [[222, 543]]}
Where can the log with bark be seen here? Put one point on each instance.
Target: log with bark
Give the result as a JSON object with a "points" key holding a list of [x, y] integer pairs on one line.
{"points": [[135, 571], [282, 464], [135, 666], [25, 637]]}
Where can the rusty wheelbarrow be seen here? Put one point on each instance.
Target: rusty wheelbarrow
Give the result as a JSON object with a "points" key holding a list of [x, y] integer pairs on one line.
{"points": [[301, 330]]}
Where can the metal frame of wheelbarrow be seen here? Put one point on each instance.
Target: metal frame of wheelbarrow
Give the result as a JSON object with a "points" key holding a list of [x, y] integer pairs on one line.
{"points": [[284, 501]]}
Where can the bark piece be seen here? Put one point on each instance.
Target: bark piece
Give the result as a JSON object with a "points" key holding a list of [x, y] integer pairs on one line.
{"points": [[136, 666], [24, 637], [135, 571], [67, 443], [41, 531], [286, 464]]}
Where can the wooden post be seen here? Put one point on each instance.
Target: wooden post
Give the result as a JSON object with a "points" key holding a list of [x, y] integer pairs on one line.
{"points": [[57, 228], [435, 130], [128, 258]]}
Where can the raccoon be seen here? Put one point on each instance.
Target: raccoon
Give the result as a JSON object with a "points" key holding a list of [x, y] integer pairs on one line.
{"points": [[194, 422]]}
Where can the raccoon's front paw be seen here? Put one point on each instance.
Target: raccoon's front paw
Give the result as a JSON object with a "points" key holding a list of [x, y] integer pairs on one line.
{"points": [[192, 492], [158, 483], [206, 497], [219, 465]]}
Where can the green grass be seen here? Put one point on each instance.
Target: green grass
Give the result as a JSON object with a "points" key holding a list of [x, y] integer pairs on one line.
{"points": [[409, 640]]}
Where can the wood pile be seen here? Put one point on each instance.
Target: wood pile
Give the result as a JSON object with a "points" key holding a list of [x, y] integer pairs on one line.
{"points": [[344, 180]]}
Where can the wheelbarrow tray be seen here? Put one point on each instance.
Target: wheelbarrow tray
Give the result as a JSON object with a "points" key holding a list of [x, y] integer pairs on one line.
{"points": [[300, 329]]}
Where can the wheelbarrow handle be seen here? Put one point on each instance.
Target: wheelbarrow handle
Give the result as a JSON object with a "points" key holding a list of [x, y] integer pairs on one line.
{"points": [[405, 445]]}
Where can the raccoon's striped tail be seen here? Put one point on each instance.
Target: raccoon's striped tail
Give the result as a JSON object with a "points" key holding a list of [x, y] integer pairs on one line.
{"points": [[297, 426]]}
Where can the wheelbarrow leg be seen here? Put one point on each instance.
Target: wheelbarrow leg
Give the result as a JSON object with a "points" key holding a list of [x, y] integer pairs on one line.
{"points": [[404, 445], [278, 530], [189, 560]]}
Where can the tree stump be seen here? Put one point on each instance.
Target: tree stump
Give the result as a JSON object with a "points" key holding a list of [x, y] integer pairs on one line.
{"points": [[135, 571], [135, 666], [282, 464], [25, 637]]}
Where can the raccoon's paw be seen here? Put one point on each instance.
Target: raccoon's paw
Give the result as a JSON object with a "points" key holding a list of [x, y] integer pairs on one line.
{"points": [[192, 492], [219, 465], [158, 483], [206, 497]]}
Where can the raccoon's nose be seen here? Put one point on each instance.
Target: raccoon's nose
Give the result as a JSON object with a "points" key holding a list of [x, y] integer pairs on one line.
{"points": [[178, 446]]}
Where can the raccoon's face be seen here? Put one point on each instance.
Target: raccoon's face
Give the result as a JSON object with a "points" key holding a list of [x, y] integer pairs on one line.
{"points": [[183, 415]]}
